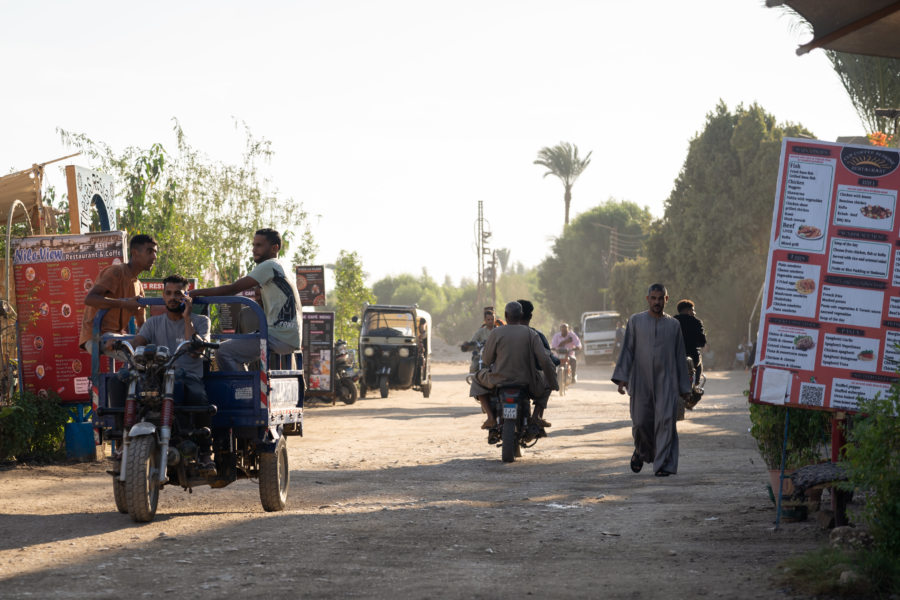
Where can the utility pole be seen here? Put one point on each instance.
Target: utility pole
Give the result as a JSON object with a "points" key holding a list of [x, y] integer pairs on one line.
{"points": [[482, 239]]}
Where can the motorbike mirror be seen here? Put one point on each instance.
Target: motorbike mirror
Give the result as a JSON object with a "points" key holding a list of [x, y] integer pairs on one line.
{"points": [[355, 319]]}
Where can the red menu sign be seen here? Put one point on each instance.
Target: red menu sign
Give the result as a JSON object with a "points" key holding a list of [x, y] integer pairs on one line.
{"points": [[311, 285], [53, 274], [831, 323]]}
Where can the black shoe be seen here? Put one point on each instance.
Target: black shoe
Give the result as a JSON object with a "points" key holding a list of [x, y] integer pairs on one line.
{"points": [[662, 473], [636, 463]]}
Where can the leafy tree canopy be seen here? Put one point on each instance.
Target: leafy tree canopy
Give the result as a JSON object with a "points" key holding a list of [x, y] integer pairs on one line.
{"points": [[712, 242], [871, 82], [350, 294], [202, 212], [575, 276]]}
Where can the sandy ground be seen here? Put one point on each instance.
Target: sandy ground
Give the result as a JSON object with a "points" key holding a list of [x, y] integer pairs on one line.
{"points": [[403, 497]]}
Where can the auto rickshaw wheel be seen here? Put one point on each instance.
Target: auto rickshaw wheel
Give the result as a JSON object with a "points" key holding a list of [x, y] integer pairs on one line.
{"points": [[426, 389], [383, 386], [274, 477], [362, 388]]}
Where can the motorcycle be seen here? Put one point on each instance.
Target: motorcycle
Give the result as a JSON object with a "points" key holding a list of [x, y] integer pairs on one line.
{"points": [[345, 374], [564, 369], [156, 441], [477, 348], [515, 429], [697, 390]]}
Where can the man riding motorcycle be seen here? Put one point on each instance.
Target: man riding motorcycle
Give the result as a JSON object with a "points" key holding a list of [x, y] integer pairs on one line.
{"points": [[480, 337], [567, 342], [513, 353]]}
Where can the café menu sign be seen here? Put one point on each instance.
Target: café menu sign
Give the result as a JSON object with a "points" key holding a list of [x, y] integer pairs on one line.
{"points": [[831, 319], [53, 274]]}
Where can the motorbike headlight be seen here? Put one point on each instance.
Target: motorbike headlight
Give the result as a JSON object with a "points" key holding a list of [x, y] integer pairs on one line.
{"points": [[369, 351], [403, 352]]}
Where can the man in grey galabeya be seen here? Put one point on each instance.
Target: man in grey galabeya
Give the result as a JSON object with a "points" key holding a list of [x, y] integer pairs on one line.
{"points": [[652, 367]]}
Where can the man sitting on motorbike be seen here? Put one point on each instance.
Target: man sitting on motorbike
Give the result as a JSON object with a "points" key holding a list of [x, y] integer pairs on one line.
{"points": [[514, 353], [566, 342], [170, 329], [540, 404], [480, 337]]}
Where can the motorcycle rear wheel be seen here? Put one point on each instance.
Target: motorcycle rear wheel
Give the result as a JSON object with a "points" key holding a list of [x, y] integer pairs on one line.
{"points": [[347, 391], [142, 478], [274, 478], [508, 449]]}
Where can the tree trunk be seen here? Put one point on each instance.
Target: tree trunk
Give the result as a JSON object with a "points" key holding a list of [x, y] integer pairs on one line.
{"points": [[568, 199]]}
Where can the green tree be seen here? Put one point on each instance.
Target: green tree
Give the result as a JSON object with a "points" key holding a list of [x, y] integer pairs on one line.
{"points": [[575, 276], [202, 212], [871, 82], [350, 294], [712, 242], [562, 161]]}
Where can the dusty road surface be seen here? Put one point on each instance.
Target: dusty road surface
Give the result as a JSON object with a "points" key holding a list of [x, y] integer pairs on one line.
{"points": [[403, 498]]}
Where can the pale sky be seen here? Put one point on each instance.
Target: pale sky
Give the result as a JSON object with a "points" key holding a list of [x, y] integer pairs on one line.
{"points": [[391, 119]]}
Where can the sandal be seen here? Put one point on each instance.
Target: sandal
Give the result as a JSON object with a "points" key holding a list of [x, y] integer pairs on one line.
{"points": [[636, 463], [488, 425]]}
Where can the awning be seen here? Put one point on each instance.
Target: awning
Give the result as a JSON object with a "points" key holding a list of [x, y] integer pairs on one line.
{"points": [[870, 27], [24, 186]]}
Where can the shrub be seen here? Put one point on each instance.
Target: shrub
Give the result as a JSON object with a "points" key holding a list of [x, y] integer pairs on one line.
{"points": [[873, 462], [806, 434], [32, 427]]}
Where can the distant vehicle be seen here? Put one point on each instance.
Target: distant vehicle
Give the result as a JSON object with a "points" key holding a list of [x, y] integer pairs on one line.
{"points": [[598, 335], [393, 357]]}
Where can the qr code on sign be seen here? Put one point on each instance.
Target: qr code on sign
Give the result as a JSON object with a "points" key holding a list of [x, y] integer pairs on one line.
{"points": [[812, 394]]}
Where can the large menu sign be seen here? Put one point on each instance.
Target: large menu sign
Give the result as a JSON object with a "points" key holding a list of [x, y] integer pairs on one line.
{"points": [[318, 343], [311, 285], [53, 274], [831, 323]]}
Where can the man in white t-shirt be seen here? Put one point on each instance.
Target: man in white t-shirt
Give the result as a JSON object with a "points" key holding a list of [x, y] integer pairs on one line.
{"points": [[279, 299]]}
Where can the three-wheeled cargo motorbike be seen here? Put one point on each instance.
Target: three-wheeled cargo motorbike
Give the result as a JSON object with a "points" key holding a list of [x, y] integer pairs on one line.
{"points": [[154, 434], [395, 349]]}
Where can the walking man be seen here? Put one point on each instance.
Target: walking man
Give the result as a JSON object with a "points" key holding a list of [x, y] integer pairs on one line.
{"points": [[652, 368]]}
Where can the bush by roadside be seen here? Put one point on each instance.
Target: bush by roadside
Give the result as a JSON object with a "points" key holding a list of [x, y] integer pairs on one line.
{"points": [[32, 428]]}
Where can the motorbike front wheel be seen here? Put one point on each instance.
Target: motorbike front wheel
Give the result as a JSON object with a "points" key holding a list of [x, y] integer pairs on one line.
{"points": [[274, 477], [562, 376], [142, 478], [347, 391], [383, 386], [508, 450]]}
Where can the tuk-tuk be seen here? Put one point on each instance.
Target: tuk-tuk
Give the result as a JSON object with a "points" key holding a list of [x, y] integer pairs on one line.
{"points": [[395, 349]]}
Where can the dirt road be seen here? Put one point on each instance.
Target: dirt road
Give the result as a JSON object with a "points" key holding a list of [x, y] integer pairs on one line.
{"points": [[403, 498]]}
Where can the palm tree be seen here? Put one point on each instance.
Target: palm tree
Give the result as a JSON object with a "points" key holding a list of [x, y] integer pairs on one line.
{"points": [[562, 160]]}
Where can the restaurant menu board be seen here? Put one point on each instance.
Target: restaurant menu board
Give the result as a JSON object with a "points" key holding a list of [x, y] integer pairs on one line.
{"points": [[831, 322], [53, 274], [318, 344], [311, 285]]}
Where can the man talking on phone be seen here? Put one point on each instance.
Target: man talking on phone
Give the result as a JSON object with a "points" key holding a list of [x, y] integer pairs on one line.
{"points": [[178, 324]]}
